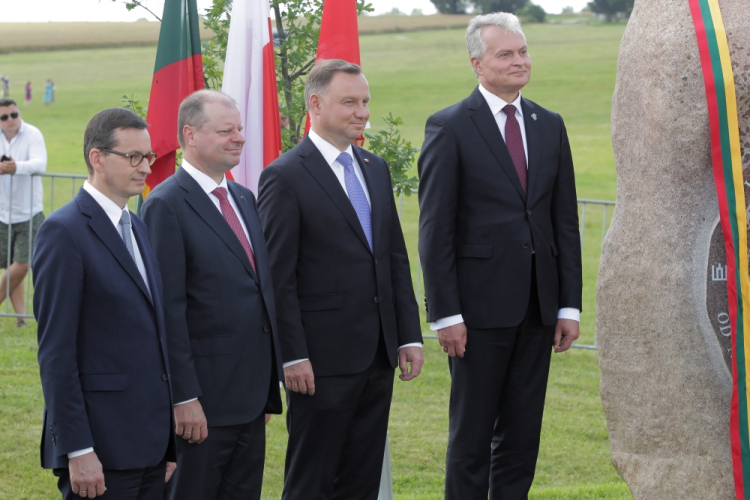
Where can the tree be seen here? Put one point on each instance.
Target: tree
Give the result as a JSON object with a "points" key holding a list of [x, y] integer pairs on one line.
{"points": [[610, 8], [488, 6], [532, 13], [451, 6]]}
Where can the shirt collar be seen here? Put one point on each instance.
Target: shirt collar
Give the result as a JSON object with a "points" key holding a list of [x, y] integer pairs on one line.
{"points": [[206, 183], [329, 151], [496, 104], [113, 211]]}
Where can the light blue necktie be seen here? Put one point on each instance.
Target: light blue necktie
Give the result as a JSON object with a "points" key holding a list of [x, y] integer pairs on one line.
{"points": [[125, 232], [357, 195]]}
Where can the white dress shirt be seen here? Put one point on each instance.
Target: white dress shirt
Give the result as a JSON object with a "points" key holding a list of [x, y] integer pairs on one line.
{"points": [[330, 154], [114, 212], [27, 149], [496, 107]]}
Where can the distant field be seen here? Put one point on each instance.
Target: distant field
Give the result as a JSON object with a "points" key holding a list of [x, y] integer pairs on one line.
{"points": [[411, 74]]}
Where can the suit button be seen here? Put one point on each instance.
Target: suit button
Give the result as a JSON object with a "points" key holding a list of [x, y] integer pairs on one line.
{"points": [[376, 262], [376, 300], [528, 212], [164, 377], [267, 328], [524, 245]]}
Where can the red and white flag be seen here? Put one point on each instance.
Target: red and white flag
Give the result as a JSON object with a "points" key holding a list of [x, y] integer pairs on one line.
{"points": [[250, 78]]}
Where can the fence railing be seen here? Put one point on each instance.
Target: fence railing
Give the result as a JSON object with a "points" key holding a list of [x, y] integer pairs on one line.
{"points": [[58, 189]]}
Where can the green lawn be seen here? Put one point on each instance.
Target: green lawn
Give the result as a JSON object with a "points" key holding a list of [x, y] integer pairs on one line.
{"points": [[411, 75]]}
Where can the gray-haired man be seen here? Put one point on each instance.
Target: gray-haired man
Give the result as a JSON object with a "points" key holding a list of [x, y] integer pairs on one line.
{"points": [[501, 255]]}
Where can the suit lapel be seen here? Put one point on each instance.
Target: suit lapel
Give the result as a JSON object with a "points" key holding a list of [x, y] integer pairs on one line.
{"points": [[254, 229], [106, 232], [533, 143], [206, 210], [377, 198], [314, 162], [482, 117]]}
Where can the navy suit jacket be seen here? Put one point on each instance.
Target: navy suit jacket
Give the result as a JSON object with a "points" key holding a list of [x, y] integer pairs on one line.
{"points": [[335, 296], [102, 341], [477, 228], [221, 321]]}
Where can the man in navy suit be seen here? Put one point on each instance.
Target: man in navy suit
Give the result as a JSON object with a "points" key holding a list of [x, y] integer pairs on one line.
{"points": [[102, 340], [501, 253], [219, 305], [347, 312]]}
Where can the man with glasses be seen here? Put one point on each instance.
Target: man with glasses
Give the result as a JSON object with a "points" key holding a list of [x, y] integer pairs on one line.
{"points": [[22, 154], [102, 335]]}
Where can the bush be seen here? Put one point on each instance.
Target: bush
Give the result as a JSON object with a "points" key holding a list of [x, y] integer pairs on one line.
{"points": [[532, 13]]}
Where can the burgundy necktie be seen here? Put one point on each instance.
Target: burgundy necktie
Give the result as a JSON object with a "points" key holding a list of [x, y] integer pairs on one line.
{"points": [[514, 142], [234, 222]]}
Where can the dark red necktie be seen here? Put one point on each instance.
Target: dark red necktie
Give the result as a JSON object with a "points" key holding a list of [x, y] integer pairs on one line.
{"points": [[514, 142], [234, 222]]}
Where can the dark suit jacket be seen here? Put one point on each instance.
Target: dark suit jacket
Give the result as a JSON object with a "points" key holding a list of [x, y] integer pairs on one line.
{"points": [[102, 341], [333, 295], [476, 227], [221, 321]]}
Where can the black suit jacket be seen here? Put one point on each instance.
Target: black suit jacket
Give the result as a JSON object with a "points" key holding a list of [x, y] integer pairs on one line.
{"points": [[477, 229], [221, 321], [333, 295], [102, 341]]}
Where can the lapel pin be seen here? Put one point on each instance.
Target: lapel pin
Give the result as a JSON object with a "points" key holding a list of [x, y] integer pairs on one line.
{"points": [[367, 161], [242, 197], [533, 116]]}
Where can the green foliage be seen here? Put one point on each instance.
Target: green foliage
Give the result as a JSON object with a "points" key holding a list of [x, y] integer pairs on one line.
{"points": [[451, 6], [133, 4], [488, 6], [610, 8], [132, 103], [532, 13], [397, 152], [215, 50]]}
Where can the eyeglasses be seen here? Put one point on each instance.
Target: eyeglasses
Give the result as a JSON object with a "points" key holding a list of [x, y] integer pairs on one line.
{"points": [[135, 158], [13, 115]]}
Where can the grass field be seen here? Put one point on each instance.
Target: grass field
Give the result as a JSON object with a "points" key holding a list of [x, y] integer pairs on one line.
{"points": [[412, 75]]}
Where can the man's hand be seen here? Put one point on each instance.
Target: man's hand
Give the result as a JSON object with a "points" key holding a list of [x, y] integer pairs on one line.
{"points": [[8, 167], [86, 476], [453, 339], [190, 422], [171, 466], [566, 332], [414, 356], [268, 417], [299, 378]]}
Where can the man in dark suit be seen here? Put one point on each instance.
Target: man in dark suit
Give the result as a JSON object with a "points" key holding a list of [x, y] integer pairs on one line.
{"points": [[219, 306], [501, 254], [346, 307], [102, 340]]}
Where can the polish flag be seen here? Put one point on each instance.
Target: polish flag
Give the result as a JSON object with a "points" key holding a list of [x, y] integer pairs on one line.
{"points": [[250, 78]]}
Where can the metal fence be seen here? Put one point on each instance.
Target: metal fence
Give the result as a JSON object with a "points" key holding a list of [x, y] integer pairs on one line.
{"points": [[594, 216]]}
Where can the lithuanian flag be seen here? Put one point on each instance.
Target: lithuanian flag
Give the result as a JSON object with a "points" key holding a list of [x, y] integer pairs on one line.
{"points": [[178, 72], [726, 157]]}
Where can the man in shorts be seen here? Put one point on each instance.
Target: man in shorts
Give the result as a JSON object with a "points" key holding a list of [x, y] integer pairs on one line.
{"points": [[22, 154]]}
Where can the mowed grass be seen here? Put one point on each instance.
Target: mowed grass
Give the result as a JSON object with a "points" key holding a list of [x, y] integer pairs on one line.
{"points": [[412, 75]]}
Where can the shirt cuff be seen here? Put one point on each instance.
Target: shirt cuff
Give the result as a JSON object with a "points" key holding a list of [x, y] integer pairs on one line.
{"points": [[186, 401], [290, 363], [413, 344], [78, 453], [569, 313], [446, 322]]}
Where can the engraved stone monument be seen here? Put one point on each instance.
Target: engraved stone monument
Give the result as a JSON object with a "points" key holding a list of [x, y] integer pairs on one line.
{"points": [[662, 319]]}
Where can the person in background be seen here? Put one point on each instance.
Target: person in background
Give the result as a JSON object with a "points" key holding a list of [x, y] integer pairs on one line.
{"points": [[22, 154], [48, 89], [28, 93]]}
